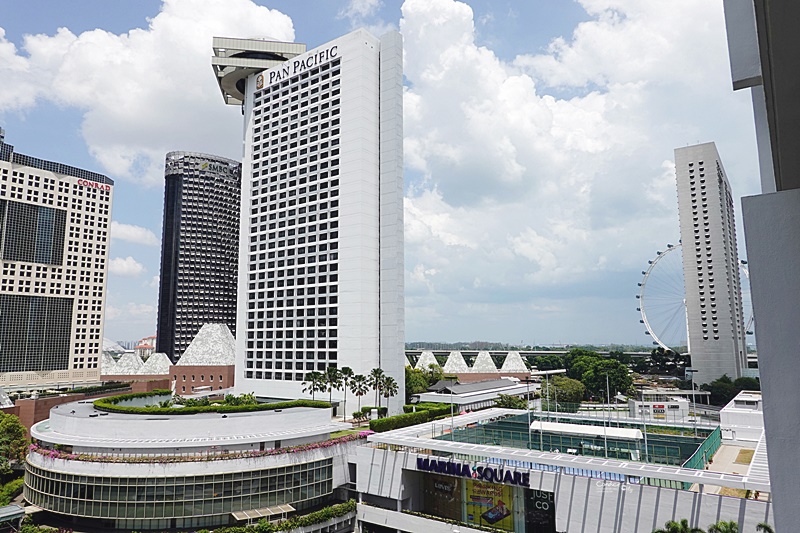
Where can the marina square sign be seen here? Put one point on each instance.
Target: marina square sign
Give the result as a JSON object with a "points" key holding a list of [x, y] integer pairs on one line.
{"points": [[482, 473]]}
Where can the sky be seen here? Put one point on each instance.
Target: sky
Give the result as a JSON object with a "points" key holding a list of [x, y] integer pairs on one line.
{"points": [[538, 143]]}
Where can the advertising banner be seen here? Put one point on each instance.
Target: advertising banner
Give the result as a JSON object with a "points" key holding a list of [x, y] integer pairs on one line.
{"points": [[490, 504], [540, 512], [443, 496]]}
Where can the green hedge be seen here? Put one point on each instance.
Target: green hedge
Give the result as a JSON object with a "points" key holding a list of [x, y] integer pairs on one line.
{"points": [[433, 409], [11, 490], [399, 421], [110, 405]]}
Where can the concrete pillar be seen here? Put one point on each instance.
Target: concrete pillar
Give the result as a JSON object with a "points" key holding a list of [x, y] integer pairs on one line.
{"points": [[772, 234]]}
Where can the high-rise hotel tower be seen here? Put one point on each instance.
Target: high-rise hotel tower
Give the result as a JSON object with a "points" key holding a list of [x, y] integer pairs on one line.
{"points": [[54, 249], [321, 235], [199, 248], [717, 343]]}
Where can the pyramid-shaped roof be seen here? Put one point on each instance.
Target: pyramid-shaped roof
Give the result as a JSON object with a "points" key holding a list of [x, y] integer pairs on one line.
{"points": [[157, 363], [425, 360], [484, 363], [213, 345], [128, 364], [108, 365], [514, 363], [455, 364]]}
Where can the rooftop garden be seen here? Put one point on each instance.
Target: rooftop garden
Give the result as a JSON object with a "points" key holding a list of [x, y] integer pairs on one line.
{"points": [[163, 403]]}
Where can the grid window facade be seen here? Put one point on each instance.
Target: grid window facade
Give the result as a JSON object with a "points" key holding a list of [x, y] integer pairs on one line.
{"points": [[199, 255], [206, 499], [32, 233], [711, 265], [293, 249], [54, 238]]}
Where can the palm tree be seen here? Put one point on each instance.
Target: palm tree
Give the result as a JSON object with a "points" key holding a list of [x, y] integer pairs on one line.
{"points": [[388, 388], [724, 526], [375, 382], [359, 386], [314, 383], [763, 527], [671, 526], [346, 374], [333, 380]]}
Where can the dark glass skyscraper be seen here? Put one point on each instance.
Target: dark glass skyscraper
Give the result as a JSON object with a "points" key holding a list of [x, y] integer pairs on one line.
{"points": [[199, 248]]}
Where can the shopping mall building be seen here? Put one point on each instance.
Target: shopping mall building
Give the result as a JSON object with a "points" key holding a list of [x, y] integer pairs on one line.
{"points": [[487, 469], [155, 472]]}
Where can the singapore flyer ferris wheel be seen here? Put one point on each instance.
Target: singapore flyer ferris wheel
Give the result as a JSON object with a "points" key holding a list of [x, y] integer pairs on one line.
{"points": [[662, 300]]}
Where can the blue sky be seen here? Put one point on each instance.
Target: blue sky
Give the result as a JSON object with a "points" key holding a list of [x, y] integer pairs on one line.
{"points": [[538, 149]]}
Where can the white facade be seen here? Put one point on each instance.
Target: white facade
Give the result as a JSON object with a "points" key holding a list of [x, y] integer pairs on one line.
{"points": [[717, 343], [321, 235], [54, 239], [742, 420]]}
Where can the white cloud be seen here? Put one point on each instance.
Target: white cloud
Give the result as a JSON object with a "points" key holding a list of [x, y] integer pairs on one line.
{"points": [[548, 177], [127, 266], [154, 282], [135, 234], [142, 90], [363, 14]]}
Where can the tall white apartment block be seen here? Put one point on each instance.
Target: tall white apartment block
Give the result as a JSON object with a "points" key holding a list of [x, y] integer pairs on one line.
{"points": [[321, 233], [54, 249], [717, 343]]}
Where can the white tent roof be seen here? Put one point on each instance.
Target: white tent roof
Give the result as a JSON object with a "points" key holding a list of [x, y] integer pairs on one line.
{"points": [[107, 364], [514, 363], [455, 364], [128, 364], [426, 359], [484, 363], [157, 363], [213, 345]]}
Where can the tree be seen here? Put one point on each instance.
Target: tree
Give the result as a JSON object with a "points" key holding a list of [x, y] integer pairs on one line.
{"points": [[746, 383], [416, 382], [671, 526], [722, 390], [347, 375], [581, 364], [434, 374], [564, 389], [13, 442], [315, 382], [375, 381], [333, 381], [724, 526], [619, 379], [548, 362], [509, 401], [359, 387], [763, 527], [388, 388]]}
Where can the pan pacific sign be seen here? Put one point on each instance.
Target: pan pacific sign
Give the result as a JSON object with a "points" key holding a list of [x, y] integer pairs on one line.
{"points": [[482, 473], [296, 66]]}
